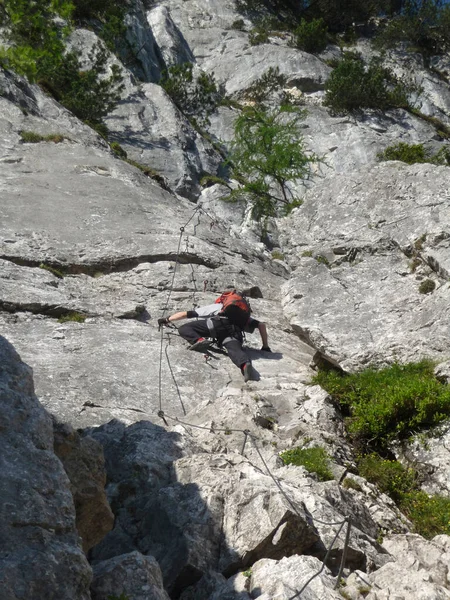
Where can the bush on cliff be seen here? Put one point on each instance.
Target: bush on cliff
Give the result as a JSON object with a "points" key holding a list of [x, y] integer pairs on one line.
{"points": [[267, 154], [423, 24], [388, 404], [353, 85], [415, 153], [197, 96], [36, 33]]}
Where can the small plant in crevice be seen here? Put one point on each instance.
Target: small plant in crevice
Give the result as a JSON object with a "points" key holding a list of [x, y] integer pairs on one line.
{"points": [[427, 286], [418, 244], [52, 270], [118, 150], [351, 484], [315, 460], [30, 137], [122, 596], [415, 153], [264, 28], [277, 255], [441, 128], [414, 264], [323, 260], [209, 180], [149, 172], [72, 316]]}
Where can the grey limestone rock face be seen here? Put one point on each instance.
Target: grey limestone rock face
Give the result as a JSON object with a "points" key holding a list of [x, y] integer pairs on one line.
{"points": [[132, 575], [37, 522], [154, 133], [430, 455], [420, 570], [148, 63], [171, 43], [365, 252]]}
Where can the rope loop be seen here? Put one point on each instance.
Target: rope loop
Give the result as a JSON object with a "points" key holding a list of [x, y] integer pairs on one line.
{"points": [[162, 416]]}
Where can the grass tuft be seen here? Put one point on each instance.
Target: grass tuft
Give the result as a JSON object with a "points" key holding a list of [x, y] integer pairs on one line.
{"points": [[315, 460]]}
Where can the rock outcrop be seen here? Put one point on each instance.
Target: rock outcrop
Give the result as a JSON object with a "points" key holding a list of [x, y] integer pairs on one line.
{"points": [[40, 549]]}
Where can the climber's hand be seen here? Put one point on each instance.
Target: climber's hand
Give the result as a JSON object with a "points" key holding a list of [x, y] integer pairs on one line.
{"points": [[266, 349], [163, 321]]}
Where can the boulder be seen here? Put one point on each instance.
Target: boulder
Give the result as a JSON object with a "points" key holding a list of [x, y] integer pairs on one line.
{"points": [[130, 575], [286, 578], [40, 550]]}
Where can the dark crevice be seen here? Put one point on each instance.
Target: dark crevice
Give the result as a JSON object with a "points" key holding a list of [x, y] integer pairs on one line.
{"points": [[118, 265], [47, 310]]}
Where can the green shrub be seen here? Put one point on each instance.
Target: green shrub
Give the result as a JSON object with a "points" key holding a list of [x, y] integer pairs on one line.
{"points": [[267, 153], [391, 477], [195, 96], [107, 17], [37, 50], [427, 286], [429, 514], [353, 85], [311, 36], [388, 404], [270, 82], [424, 24], [407, 153], [258, 36], [88, 94], [414, 153], [315, 460], [341, 15], [239, 25], [277, 255]]}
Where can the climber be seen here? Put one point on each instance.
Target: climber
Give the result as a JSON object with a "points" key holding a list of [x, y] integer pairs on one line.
{"points": [[224, 321]]}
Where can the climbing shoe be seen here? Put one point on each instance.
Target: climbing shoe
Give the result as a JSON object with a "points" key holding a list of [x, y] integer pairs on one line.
{"points": [[201, 345], [247, 372]]}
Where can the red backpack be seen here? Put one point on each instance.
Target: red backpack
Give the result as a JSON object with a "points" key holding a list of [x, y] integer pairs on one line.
{"points": [[235, 307]]}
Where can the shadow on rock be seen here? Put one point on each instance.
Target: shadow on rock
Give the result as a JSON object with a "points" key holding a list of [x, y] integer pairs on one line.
{"points": [[154, 514]]}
